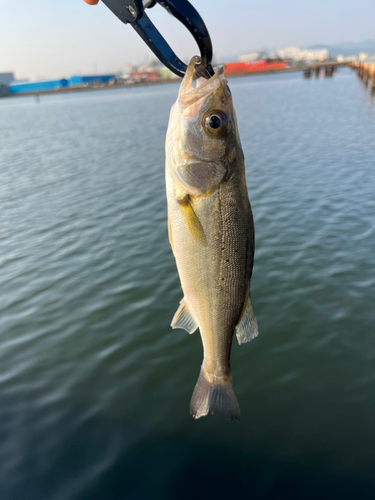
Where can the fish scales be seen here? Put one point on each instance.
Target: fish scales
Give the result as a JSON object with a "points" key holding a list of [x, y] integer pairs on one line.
{"points": [[211, 232]]}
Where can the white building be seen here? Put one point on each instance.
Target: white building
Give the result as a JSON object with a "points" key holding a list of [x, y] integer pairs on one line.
{"points": [[297, 54], [366, 57], [254, 55], [341, 58]]}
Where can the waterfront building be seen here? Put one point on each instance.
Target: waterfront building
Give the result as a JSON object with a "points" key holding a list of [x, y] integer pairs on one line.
{"points": [[88, 80], [4, 90], [297, 54], [254, 55], [363, 56], [166, 73], [340, 58], [26, 87], [247, 67], [6, 78]]}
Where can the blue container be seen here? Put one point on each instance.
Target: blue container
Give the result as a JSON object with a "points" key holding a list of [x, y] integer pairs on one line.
{"points": [[21, 88], [90, 80]]}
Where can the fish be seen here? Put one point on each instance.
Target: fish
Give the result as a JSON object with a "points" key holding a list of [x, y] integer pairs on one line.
{"points": [[211, 232]]}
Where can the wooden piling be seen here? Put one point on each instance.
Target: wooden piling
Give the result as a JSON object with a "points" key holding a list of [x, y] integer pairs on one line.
{"points": [[372, 81], [365, 71], [365, 74]]}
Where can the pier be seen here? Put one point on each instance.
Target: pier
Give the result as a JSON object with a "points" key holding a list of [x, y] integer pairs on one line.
{"points": [[325, 68], [366, 72]]}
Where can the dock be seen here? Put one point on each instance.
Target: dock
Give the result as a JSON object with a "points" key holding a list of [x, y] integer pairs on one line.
{"points": [[328, 68], [366, 72]]}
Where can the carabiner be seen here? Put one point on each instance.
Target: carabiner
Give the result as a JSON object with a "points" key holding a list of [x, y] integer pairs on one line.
{"points": [[132, 12]]}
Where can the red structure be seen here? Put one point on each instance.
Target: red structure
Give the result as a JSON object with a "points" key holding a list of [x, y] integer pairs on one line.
{"points": [[251, 66], [145, 75]]}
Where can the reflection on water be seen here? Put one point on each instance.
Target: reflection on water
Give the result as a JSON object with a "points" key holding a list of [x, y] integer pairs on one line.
{"points": [[95, 386]]}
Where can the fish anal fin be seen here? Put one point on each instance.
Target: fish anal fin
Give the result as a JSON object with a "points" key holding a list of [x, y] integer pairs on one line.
{"points": [[183, 318], [247, 327], [191, 219]]}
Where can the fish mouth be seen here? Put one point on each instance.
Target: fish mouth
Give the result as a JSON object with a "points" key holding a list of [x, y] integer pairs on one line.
{"points": [[189, 94]]}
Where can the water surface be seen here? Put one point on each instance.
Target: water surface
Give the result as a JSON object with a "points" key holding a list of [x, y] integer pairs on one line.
{"points": [[94, 384]]}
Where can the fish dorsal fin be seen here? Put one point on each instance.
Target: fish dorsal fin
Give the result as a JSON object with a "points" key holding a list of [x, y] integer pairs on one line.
{"points": [[247, 327], [184, 319], [191, 219]]}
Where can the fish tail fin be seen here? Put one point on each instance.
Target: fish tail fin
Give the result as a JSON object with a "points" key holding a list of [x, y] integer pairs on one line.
{"points": [[214, 396]]}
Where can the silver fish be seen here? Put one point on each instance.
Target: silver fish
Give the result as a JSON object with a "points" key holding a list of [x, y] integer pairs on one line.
{"points": [[211, 231]]}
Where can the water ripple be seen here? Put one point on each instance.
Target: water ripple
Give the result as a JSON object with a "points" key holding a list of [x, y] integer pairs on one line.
{"points": [[90, 367]]}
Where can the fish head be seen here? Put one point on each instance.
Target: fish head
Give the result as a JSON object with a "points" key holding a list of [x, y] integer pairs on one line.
{"points": [[203, 141]]}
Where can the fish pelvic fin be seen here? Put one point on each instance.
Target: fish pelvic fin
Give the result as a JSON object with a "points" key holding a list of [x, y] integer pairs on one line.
{"points": [[214, 395], [184, 319], [247, 327], [191, 220]]}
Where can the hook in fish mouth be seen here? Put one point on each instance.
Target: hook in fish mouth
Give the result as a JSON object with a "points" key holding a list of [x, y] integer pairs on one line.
{"points": [[189, 94]]}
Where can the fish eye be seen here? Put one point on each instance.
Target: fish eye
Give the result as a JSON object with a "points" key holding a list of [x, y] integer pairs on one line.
{"points": [[215, 123]]}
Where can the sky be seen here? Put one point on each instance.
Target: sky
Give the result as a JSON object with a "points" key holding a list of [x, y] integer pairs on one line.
{"points": [[44, 39]]}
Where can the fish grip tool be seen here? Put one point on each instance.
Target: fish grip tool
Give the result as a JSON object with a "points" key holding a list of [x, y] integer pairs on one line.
{"points": [[133, 12]]}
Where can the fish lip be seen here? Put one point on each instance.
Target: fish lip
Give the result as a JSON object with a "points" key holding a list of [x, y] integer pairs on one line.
{"points": [[188, 94]]}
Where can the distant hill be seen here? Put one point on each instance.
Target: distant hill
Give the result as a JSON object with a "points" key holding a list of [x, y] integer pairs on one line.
{"points": [[348, 48]]}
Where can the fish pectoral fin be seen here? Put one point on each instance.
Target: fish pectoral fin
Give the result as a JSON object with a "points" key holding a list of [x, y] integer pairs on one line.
{"points": [[191, 219], [184, 319], [170, 233], [247, 327]]}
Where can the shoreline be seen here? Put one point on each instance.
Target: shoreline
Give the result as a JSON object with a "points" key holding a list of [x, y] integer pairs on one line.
{"points": [[176, 79]]}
